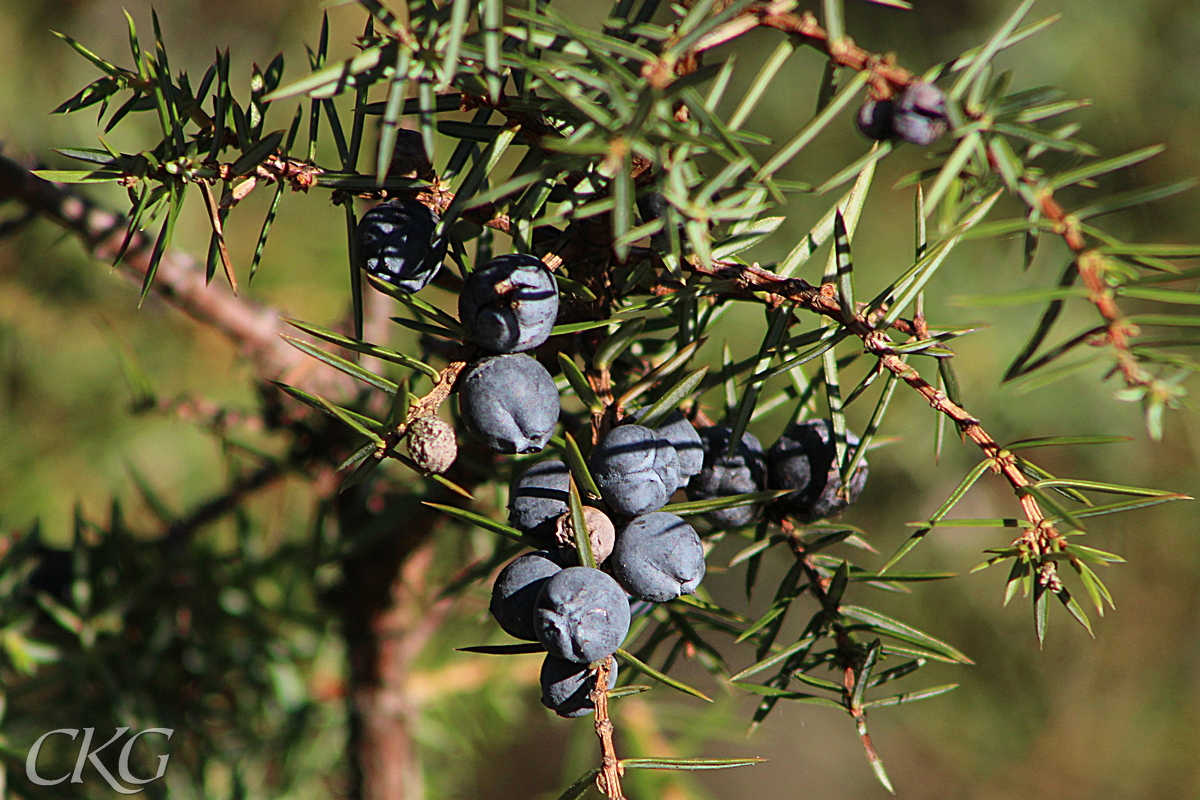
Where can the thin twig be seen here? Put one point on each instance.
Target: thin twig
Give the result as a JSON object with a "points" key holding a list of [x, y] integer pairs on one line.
{"points": [[429, 404], [886, 76], [1092, 270], [609, 779]]}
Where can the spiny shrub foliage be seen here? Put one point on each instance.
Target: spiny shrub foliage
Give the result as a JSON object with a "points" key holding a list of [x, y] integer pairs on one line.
{"points": [[583, 198]]}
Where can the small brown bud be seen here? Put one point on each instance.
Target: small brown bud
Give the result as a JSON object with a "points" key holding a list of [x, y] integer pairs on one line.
{"points": [[431, 444], [601, 532]]}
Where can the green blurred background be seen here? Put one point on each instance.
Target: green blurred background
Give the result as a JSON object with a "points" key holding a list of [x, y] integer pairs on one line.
{"points": [[1111, 718]]}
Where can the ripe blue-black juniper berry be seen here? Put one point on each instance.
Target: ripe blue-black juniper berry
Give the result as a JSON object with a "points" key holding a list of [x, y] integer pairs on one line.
{"points": [[617, 165], [875, 118], [582, 615], [682, 435], [635, 469], [742, 472], [918, 116], [538, 497], [567, 686], [658, 557], [515, 592], [509, 403], [395, 243], [805, 459], [509, 304], [921, 114]]}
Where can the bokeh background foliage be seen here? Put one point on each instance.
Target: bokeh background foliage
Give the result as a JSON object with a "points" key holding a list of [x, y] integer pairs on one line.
{"points": [[1109, 718]]}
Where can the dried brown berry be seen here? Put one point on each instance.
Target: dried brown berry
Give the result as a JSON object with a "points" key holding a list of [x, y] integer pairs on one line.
{"points": [[601, 533], [431, 444]]}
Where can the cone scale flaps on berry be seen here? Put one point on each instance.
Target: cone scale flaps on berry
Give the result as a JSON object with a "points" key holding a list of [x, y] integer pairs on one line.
{"points": [[682, 435], [658, 557], [581, 614]]}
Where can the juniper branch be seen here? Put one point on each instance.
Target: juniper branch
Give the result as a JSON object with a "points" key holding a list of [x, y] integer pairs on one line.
{"points": [[823, 300], [251, 327]]}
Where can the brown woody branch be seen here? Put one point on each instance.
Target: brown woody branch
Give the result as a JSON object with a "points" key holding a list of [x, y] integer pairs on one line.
{"points": [[266, 475], [886, 78], [1092, 267], [383, 622]]}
